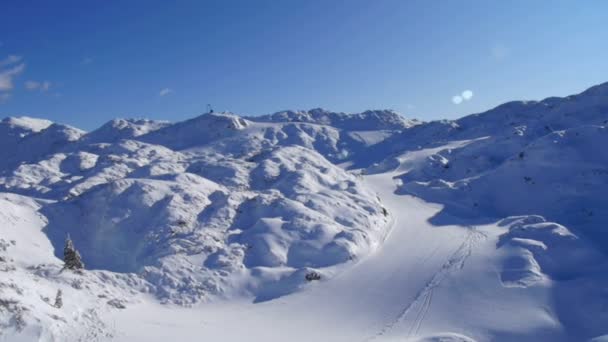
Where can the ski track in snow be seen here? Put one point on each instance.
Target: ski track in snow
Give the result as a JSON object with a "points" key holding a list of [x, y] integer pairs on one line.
{"points": [[418, 308]]}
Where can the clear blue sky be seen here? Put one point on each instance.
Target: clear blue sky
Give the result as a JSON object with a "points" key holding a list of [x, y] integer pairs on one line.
{"points": [[85, 62]]}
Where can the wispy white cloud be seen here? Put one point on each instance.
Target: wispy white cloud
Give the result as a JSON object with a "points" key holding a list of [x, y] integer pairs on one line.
{"points": [[32, 85], [10, 67], [43, 86], [7, 76], [11, 59], [165, 91]]}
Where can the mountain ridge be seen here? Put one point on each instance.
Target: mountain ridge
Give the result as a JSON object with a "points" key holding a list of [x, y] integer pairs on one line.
{"points": [[223, 208]]}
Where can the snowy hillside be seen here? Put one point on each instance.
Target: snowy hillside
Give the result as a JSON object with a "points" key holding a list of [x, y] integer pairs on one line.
{"points": [[534, 179], [371, 120], [32, 277], [28, 140], [123, 129], [338, 226]]}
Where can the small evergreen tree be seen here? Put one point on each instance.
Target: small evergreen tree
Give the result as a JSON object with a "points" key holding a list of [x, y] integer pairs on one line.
{"points": [[312, 276], [59, 299], [71, 257]]}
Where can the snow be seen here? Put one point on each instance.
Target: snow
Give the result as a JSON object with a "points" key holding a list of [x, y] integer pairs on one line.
{"points": [[26, 123], [423, 285], [486, 228], [197, 131], [198, 224], [31, 277], [533, 180], [371, 120], [117, 129]]}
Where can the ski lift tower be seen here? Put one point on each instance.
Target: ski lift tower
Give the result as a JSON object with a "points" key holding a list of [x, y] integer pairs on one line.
{"points": [[209, 109]]}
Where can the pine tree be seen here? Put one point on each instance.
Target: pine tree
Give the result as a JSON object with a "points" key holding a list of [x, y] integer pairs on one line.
{"points": [[59, 299], [71, 257]]}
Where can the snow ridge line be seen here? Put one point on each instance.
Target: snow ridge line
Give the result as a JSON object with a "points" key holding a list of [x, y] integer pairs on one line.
{"points": [[422, 302]]}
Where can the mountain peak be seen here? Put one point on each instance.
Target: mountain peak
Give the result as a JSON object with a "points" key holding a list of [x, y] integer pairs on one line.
{"points": [[26, 123], [117, 129], [365, 121]]}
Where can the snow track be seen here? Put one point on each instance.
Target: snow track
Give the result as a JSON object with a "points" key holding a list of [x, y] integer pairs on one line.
{"points": [[415, 313], [425, 283], [387, 295]]}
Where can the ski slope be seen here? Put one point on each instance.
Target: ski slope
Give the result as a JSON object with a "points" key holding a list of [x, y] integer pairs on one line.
{"points": [[425, 283], [364, 302], [486, 228]]}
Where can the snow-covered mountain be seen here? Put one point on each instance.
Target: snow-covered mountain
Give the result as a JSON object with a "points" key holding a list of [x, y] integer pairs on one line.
{"points": [[371, 120], [344, 226], [117, 129]]}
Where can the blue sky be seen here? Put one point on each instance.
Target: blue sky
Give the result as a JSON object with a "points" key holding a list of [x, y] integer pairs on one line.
{"points": [[85, 62]]}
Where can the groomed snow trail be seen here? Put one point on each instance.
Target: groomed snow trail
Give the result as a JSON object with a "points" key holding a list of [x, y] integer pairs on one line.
{"points": [[390, 288], [414, 232], [415, 313]]}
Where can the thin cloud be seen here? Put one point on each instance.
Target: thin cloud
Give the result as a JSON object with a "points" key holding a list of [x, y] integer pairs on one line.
{"points": [[457, 99], [7, 75], [165, 92], [10, 67], [11, 59], [40, 86], [31, 85]]}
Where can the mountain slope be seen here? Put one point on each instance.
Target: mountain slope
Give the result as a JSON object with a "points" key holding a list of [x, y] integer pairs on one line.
{"points": [[341, 227]]}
